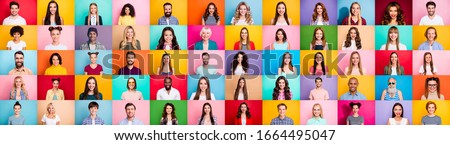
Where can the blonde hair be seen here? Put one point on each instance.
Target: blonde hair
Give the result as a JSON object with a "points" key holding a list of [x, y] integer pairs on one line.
{"points": [[321, 110], [124, 41], [96, 13], [350, 14], [350, 68], [48, 107], [23, 83], [248, 16]]}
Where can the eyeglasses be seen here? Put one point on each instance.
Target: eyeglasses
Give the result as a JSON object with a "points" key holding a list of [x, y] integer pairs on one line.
{"points": [[391, 83], [432, 85]]}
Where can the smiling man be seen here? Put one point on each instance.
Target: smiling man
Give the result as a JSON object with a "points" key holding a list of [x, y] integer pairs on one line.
{"points": [[168, 92], [130, 69], [167, 19], [20, 69], [92, 43], [131, 119], [432, 18], [282, 119], [14, 18]]}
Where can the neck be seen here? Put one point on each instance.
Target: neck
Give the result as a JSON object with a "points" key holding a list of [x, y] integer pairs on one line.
{"points": [[20, 67], [93, 63], [431, 115], [91, 92], [205, 41], [55, 43], [430, 41], [93, 116], [130, 66], [130, 118], [282, 116], [355, 114], [92, 42], [353, 93]]}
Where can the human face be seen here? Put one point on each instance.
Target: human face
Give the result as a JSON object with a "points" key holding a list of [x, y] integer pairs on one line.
{"points": [[241, 83], [353, 85], [205, 59], [281, 9], [130, 59], [167, 10], [355, 109], [240, 58], [19, 60], [355, 59], [428, 58], [130, 34], [14, 10], [169, 109], [55, 84], [56, 34], [127, 10], [203, 85], [353, 34], [282, 110], [91, 84], [92, 36], [17, 109], [211, 9], [319, 58], [16, 36], [93, 110], [281, 84], [53, 8], [432, 86], [318, 83], [244, 34], [392, 83], [55, 60], [168, 36], [398, 111], [319, 35], [130, 110], [355, 9], [280, 35], [393, 36], [167, 84], [51, 109], [431, 10], [319, 9], [287, 59], [431, 109], [243, 108], [393, 12], [205, 35], [166, 59], [131, 84], [93, 58], [18, 82], [93, 9], [431, 34], [207, 109], [394, 58], [242, 10], [317, 111]]}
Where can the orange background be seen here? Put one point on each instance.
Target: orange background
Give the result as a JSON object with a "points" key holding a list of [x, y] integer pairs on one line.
{"points": [[104, 84], [67, 57], [119, 60], [29, 36], [253, 82], [419, 86], [196, 9], [64, 109]]}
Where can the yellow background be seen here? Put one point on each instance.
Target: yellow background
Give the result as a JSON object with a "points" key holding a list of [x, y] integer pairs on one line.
{"points": [[305, 69], [269, 9], [270, 111], [419, 111], [366, 86], [233, 35], [182, 59], [64, 109], [419, 36], [104, 84], [66, 11], [29, 36], [179, 10]]}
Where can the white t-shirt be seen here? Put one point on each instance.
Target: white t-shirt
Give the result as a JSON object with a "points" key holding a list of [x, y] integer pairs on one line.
{"points": [[14, 46], [49, 121], [17, 21], [239, 70], [211, 70], [428, 70], [393, 47], [437, 20], [58, 47], [202, 97], [174, 94], [242, 22], [352, 46]]}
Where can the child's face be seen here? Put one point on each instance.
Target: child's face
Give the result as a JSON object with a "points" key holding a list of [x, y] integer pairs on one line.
{"points": [[93, 110]]}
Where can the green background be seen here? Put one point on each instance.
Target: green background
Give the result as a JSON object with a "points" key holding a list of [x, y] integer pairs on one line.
{"points": [[156, 109], [306, 36]]}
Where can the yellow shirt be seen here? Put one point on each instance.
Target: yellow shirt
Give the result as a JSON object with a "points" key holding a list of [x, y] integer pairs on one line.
{"points": [[59, 94], [126, 20], [56, 70]]}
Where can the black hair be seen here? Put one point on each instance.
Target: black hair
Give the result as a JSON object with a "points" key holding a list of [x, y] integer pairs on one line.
{"points": [[16, 29], [132, 14], [17, 104], [57, 55], [130, 104], [431, 3], [161, 41], [14, 3], [93, 104], [131, 53], [397, 104], [167, 4], [353, 104], [47, 15], [19, 52], [135, 83]]}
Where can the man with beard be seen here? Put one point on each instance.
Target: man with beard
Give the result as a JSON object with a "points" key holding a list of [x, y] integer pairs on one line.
{"points": [[352, 93], [20, 68], [14, 18], [92, 43], [167, 19], [205, 69], [168, 92], [131, 119], [392, 93], [130, 69], [432, 18]]}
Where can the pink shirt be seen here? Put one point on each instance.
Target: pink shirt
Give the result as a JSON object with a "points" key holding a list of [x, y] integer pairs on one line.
{"points": [[319, 72], [281, 96], [319, 94]]}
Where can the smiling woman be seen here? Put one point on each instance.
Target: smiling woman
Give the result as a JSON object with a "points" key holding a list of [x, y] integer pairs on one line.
{"points": [[91, 90]]}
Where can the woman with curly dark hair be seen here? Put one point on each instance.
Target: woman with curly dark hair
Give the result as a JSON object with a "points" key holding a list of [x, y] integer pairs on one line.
{"points": [[127, 15], [239, 66], [281, 90], [352, 40], [168, 40], [393, 15], [211, 16], [168, 115], [243, 116]]}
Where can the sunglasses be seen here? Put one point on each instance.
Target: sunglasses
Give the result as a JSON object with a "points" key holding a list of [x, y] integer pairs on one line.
{"points": [[391, 83]]}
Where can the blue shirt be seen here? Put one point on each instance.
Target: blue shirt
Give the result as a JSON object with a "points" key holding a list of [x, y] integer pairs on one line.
{"points": [[279, 121], [88, 121], [435, 46], [387, 97], [314, 121], [349, 96], [135, 121], [172, 20], [12, 120]]}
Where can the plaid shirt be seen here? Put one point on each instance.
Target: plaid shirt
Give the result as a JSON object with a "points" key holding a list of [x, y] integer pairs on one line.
{"points": [[279, 121], [163, 20], [88, 121]]}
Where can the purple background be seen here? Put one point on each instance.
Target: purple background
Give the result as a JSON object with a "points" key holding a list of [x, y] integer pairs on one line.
{"points": [[307, 83], [384, 111], [307, 9], [254, 60], [104, 36]]}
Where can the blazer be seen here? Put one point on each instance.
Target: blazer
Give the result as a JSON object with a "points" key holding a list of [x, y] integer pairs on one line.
{"points": [[250, 46], [100, 22], [238, 121]]}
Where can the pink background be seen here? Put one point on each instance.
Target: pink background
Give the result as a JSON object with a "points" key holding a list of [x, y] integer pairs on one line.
{"points": [[67, 37], [367, 110], [292, 33], [7, 85], [141, 9], [328, 108], [439, 61], [367, 57], [142, 111], [419, 10], [195, 109], [196, 55], [218, 36]]}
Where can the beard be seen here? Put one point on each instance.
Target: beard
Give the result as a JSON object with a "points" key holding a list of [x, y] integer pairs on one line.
{"points": [[430, 13], [168, 14], [168, 87], [19, 64], [130, 62], [392, 90]]}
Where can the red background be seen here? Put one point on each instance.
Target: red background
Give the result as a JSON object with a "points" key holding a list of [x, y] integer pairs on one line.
{"points": [[67, 84], [232, 106], [405, 5], [179, 82], [28, 10], [382, 59]]}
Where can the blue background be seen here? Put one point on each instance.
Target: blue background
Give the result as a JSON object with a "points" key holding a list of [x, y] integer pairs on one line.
{"points": [[405, 35], [8, 62], [269, 83], [82, 10], [404, 84], [120, 85], [82, 59], [28, 111], [216, 82], [270, 66], [180, 32], [82, 111], [255, 9], [367, 10]]}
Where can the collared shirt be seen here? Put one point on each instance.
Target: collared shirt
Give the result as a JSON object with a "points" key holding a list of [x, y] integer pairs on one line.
{"points": [[435, 46], [135, 121], [20, 71], [202, 71], [56, 70], [14, 21], [314, 121], [88, 121], [126, 71], [279, 121], [98, 46], [162, 94], [349, 96], [93, 20], [167, 21]]}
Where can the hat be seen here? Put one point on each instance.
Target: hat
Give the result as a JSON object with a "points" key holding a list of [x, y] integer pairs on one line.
{"points": [[92, 29]]}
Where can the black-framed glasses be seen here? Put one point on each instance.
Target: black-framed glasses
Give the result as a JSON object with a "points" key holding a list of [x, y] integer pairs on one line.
{"points": [[391, 83]]}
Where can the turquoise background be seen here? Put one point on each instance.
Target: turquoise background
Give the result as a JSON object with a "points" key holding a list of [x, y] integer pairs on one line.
{"points": [[8, 61], [82, 10], [381, 35], [28, 111], [120, 85], [255, 8], [269, 84], [306, 36], [82, 59], [180, 32], [216, 82], [270, 66], [82, 111]]}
